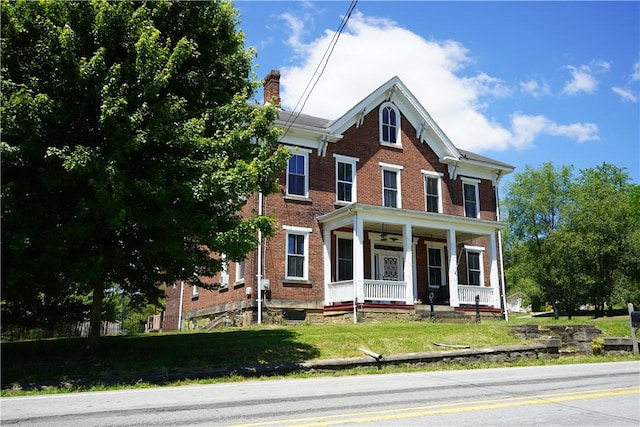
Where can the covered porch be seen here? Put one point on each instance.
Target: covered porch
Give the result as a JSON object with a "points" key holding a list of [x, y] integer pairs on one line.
{"points": [[380, 255]]}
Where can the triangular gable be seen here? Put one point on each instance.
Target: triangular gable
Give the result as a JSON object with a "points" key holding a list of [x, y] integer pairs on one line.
{"points": [[427, 130]]}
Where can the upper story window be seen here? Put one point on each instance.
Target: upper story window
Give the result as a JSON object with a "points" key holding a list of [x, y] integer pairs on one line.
{"points": [[391, 195], [471, 198], [345, 178], [432, 191], [297, 179], [297, 259], [474, 265], [389, 124]]}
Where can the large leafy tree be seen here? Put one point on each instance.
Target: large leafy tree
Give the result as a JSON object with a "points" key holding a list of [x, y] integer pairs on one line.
{"points": [[576, 238], [533, 204], [128, 147], [601, 213]]}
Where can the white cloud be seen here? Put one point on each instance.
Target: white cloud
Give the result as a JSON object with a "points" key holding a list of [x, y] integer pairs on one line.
{"points": [[483, 84], [371, 50], [526, 128], [636, 72], [535, 89], [297, 27], [583, 78], [625, 94], [581, 132]]}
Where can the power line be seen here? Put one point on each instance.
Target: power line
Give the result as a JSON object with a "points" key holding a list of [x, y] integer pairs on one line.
{"points": [[319, 69]]}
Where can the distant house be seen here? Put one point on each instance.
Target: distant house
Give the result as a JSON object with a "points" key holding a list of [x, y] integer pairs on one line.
{"points": [[515, 303], [377, 209]]}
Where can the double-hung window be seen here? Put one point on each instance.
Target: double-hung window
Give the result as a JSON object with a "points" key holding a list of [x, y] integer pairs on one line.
{"points": [[297, 255], [390, 124], [391, 194], [436, 267], [474, 266], [471, 198], [432, 197], [239, 272], [298, 173], [344, 254], [345, 178], [224, 274]]}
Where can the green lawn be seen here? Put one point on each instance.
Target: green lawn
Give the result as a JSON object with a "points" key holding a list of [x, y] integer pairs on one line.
{"points": [[125, 359]]}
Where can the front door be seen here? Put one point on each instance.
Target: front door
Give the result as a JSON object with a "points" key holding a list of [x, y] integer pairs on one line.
{"points": [[390, 266]]}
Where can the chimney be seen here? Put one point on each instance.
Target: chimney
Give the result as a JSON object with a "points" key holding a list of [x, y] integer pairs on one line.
{"points": [[272, 88]]}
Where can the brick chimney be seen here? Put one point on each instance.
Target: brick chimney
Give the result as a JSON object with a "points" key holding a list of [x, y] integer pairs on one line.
{"points": [[272, 87]]}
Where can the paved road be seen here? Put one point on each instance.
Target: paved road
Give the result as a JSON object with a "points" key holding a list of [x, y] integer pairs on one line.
{"points": [[570, 395]]}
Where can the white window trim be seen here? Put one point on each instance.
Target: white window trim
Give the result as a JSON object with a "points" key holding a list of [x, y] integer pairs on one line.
{"points": [[344, 236], [353, 161], [239, 277], [305, 269], [300, 152], [479, 250], [398, 143], [392, 168], [432, 174], [195, 291], [443, 272], [224, 274], [476, 185]]}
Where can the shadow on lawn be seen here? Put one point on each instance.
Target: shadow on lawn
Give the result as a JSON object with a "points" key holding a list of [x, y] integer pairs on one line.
{"points": [[155, 359]]}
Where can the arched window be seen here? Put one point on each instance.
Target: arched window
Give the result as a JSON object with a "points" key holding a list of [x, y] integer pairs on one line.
{"points": [[389, 124]]}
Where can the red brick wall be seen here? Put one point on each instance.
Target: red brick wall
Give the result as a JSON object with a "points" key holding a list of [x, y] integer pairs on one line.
{"points": [[363, 143]]}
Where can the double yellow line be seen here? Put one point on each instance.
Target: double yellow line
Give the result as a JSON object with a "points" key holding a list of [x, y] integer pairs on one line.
{"points": [[447, 408]]}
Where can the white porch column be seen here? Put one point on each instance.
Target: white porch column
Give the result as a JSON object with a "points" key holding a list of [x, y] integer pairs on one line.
{"points": [[453, 269], [407, 243], [358, 258], [326, 249], [494, 279]]}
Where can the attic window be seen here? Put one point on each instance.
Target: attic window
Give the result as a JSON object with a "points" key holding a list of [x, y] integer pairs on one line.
{"points": [[390, 125]]}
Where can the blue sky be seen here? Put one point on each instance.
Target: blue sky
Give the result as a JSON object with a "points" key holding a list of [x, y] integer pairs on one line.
{"points": [[522, 82]]}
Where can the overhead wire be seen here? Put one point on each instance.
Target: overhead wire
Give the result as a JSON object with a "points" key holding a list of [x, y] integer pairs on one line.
{"points": [[319, 69]]}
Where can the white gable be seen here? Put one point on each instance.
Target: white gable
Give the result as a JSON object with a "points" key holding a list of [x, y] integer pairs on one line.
{"points": [[312, 132], [427, 130]]}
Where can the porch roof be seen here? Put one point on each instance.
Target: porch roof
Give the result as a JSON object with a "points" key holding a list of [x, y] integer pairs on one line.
{"points": [[380, 218]]}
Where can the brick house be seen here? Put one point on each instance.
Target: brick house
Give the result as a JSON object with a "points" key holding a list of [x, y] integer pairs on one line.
{"points": [[377, 210]]}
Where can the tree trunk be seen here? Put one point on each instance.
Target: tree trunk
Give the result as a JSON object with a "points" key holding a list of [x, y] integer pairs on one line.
{"points": [[96, 315]]}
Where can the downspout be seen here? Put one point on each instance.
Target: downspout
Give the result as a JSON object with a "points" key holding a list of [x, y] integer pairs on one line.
{"points": [[503, 288], [355, 265], [259, 275], [180, 306]]}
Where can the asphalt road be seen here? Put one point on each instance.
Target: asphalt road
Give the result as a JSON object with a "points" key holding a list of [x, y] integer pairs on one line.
{"points": [[602, 394]]}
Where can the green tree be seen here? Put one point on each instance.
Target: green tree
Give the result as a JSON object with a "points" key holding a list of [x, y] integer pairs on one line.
{"points": [[577, 238], [533, 205], [128, 147], [601, 214], [568, 270]]}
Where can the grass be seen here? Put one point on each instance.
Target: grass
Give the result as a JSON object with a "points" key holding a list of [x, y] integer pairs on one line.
{"points": [[67, 365]]}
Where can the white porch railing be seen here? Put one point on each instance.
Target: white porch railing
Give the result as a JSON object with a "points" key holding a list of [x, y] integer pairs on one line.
{"points": [[340, 291], [384, 290], [467, 294], [374, 290]]}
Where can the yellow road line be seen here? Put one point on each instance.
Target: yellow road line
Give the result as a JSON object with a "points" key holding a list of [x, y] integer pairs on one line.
{"points": [[447, 408]]}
